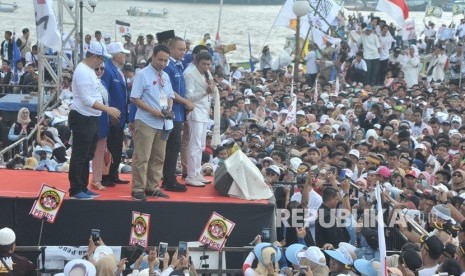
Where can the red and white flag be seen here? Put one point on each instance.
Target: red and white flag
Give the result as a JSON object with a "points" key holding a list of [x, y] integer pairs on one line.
{"points": [[397, 9]]}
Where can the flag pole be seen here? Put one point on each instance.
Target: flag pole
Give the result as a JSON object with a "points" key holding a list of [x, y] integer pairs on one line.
{"points": [[219, 17], [269, 32]]}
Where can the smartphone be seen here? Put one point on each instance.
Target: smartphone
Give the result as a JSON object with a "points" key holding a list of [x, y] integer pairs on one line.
{"points": [[265, 234], [342, 175], [302, 269], [182, 249], [95, 235], [162, 249]]}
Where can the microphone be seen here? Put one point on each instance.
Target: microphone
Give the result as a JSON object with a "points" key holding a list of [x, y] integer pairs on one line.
{"points": [[207, 76]]}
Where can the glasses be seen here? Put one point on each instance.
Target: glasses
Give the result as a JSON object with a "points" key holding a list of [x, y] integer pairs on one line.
{"points": [[430, 165], [457, 175], [99, 69], [342, 129]]}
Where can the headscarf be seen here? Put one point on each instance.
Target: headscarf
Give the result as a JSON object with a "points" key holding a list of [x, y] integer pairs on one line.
{"points": [[23, 119], [427, 177], [415, 50], [430, 130]]}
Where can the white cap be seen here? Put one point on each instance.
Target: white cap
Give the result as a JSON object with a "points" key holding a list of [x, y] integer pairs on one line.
{"points": [[98, 49], [355, 153], [314, 255], [116, 47], [7, 236], [248, 92], [420, 146], [89, 268], [300, 112], [275, 169], [284, 111]]}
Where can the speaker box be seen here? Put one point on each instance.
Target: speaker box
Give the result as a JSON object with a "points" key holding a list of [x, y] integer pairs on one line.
{"points": [[223, 180]]}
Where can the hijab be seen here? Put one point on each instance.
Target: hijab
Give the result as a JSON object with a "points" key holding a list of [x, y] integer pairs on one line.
{"points": [[23, 117]]}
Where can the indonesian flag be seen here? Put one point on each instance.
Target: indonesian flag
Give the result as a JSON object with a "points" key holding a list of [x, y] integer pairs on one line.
{"points": [[397, 9]]}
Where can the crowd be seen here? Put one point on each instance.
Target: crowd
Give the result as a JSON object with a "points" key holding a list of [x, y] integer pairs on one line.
{"points": [[371, 112]]}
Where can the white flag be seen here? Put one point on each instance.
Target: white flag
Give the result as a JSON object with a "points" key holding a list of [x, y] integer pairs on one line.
{"points": [[381, 237], [47, 25], [320, 38], [121, 28]]}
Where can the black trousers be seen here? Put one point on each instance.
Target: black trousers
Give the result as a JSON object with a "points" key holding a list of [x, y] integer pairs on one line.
{"points": [[173, 147], [85, 136], [383, 67], [115, 147]]}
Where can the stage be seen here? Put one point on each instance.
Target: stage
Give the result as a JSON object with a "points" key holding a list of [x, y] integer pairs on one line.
{"points": [[182, 217]]}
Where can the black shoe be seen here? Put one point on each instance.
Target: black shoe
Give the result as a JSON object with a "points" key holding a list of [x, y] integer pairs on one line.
{"points": [[156, 193], [139, 196], [120, 181], [176, 187], [108, 183]]}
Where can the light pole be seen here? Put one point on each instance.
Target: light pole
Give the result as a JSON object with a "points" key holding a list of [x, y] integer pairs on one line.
{"points": [[91, 4], [300, 8]]}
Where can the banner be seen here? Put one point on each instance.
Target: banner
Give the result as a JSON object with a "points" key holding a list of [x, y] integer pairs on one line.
{"points": [[47, 25], [447, 33], [433, 11], [121, 28], [328, 10], [140, 229], [320, 38], [216, 231], [381, 235], [408, 31], [48, 203], [457, 9], [58, 256], [16, 58]]}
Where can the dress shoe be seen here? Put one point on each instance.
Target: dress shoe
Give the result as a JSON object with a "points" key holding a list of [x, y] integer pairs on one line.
{"points": [[108, 183], [176, 187], [120, 181]]}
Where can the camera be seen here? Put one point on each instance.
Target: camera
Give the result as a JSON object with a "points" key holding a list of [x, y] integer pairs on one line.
{"points": [[169, 115], [95, 233]]}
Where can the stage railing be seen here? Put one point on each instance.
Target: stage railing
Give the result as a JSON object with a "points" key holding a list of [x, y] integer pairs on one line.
{"points": [[219, 271]]}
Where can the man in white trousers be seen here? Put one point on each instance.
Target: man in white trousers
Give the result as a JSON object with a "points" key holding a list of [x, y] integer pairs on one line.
{"points": [[199, 87]]}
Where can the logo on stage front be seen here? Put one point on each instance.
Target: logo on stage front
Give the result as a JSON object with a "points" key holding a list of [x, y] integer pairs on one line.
{"points": [[140, 227], [48, 203], [217, 229]]}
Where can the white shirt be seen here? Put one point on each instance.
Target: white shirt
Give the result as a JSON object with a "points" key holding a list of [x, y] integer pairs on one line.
{"points": [[362, 65], [196, 87], [371, 45], [86, 91], [311, 63], [386, 43], [428, 271]]}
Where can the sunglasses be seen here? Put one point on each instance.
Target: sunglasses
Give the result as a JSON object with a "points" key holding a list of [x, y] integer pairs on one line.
{"points": [[99, 69], [457, 175]]}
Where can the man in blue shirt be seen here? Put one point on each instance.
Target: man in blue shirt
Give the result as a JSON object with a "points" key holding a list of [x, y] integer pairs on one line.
{"points": [[153, 95], [175, 69]]}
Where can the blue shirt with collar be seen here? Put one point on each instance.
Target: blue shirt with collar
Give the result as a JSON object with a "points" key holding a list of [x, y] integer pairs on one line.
{"points": [[148, 87], [174, 70]]}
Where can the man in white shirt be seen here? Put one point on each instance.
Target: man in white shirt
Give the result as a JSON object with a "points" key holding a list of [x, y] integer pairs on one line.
{"points": [[83, 120], [386, 41], [431, 249], [310, 62], [199, 86], [371, 49], [430, 36]]}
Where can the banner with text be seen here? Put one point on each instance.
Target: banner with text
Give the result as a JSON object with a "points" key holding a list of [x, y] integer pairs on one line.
{"points": [[140, 229], [48, 203], [216, 231]]}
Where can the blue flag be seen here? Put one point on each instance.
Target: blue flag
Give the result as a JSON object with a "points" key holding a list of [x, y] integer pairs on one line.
{"points": [[251, 62], [16, 58]]}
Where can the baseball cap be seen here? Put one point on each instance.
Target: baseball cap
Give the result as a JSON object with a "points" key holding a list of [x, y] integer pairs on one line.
{"points": [[411, 173], [433, 244], [384, 171], [7, 236], [127, 35], [116, 47], [314, 255], [367, 268], [300, 112], [292, 253], [88, 267], [275, 169], [97, 49], [355, 153], [259, 248]]}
